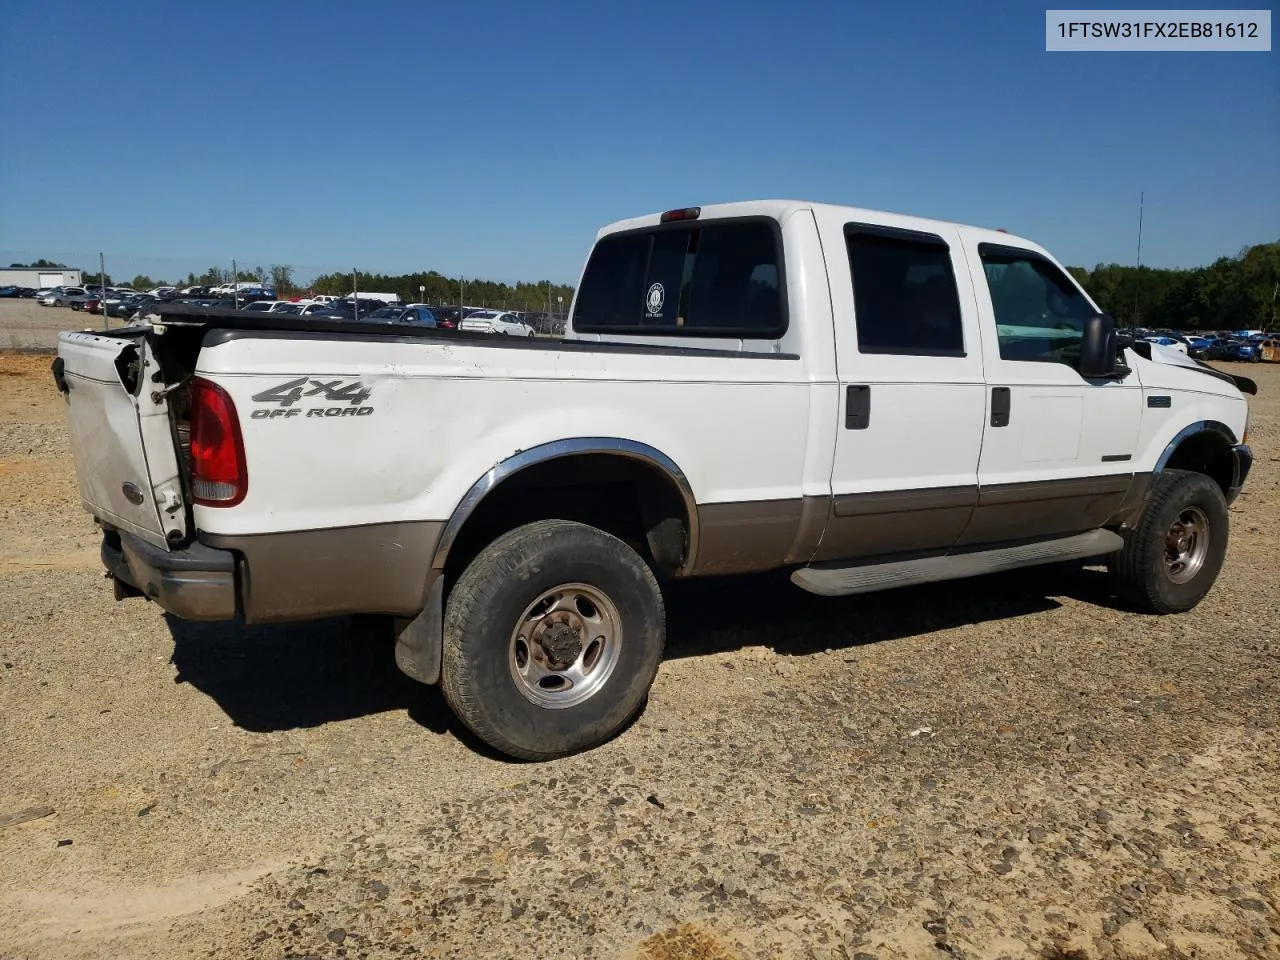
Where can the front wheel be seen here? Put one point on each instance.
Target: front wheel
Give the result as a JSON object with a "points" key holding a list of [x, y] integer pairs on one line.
{"points": [[552, 638], [1172, 557]]}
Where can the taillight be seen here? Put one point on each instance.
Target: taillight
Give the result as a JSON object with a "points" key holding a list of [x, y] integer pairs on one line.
{"points": [[219, 477], [684, 213]]}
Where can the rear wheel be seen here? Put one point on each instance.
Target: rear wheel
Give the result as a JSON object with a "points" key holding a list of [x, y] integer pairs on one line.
{"points": [[1171, 559], [552, 638]]}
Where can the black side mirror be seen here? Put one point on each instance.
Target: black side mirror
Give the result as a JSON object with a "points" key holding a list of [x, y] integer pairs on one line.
{"points": [[1098, 348]]}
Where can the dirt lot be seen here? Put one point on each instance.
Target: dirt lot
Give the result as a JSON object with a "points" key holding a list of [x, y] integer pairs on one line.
{"points": [[25, 325], [1011, 767]]}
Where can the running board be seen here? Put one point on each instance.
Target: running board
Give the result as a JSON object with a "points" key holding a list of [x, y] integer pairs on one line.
{"points": [[829, 581]]}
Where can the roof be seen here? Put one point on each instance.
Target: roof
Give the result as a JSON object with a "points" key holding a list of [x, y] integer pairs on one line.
{"points": [[782, 209]]}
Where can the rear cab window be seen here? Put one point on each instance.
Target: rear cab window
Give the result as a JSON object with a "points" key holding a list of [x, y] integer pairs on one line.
{"points": [[904, 292], [715, 278]]}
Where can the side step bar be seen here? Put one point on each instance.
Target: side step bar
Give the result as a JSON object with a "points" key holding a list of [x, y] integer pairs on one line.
{"points": [[830, 581]]}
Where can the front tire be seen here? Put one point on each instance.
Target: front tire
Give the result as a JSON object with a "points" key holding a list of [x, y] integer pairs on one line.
{"points": [[552, 638], [1171, 559]]}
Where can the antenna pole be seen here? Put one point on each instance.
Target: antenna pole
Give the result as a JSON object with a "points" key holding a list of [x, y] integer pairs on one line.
{"points": [[1137, 273]]}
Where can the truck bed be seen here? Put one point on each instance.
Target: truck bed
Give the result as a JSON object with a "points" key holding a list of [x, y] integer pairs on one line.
{"points": [[185, 315]]}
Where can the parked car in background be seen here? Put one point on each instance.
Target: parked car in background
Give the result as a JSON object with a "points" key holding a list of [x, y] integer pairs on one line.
{"points": [[128, 305], [420, 314], [389, 314], [16, 293], [259, 306], [1163, 341], [1269, 349], [310, 309], [495, 321], [346, 309], [1196, 346], [80, 299], [60, 296], [447, 318], [112, 298]]}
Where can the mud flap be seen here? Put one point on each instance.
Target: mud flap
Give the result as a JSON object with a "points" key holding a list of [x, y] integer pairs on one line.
{"points": [[420, 641]]}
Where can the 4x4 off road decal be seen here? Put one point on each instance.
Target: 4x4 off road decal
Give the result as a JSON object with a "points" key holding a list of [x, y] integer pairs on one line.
{"points": [[351, 392]]}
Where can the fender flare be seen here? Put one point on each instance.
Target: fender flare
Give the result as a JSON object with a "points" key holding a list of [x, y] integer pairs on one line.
{"points": [[1190, 430], [420, 641], [554, 450]]}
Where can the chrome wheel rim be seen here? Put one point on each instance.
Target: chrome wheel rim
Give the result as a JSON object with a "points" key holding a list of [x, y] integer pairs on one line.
{"points": [[1186, 545], [565, 645]]}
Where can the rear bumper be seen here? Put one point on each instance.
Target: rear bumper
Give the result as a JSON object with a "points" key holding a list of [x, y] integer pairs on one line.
{"points": [[1241, 460], [295, 575], [195, 583]]}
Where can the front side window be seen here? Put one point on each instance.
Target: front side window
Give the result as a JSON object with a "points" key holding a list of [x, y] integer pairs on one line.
{"points": [[1040, 314], [904, 293], [721, 278]]}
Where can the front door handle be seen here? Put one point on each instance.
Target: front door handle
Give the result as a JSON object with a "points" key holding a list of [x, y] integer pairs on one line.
{"points": [[1000, 403], [857, 407]]}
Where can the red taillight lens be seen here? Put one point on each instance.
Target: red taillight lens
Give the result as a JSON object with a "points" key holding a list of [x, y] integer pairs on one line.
{"points": [[218, 474], [684, 213]]}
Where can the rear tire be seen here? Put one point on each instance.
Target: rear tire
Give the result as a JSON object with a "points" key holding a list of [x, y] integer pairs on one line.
{"points": [[552, 638], [1172, 557]]}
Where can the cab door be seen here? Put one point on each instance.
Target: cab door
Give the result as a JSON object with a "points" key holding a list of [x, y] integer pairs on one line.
{"points": [[909, 367], [1057, 449]]}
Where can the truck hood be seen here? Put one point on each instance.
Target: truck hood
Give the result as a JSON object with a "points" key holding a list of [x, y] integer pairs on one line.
{"points": [[1169, 357]]}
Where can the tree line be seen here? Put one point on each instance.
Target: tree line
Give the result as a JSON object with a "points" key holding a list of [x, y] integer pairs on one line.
{"points": [[1232, 293]]}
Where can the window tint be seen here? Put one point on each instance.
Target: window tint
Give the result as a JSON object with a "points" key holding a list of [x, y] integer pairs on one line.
{"points": [[716, 279], [904, 294], [1039, 312]]}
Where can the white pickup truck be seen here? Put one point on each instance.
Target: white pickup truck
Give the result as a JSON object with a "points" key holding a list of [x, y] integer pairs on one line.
{"points": [[865, 399]]}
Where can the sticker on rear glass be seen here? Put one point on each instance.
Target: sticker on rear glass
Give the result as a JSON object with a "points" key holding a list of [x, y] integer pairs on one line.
{"points": [[654, 299]]}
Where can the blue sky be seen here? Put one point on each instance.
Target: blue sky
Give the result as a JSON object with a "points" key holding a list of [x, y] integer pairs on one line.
{"points": [[494, 138]]}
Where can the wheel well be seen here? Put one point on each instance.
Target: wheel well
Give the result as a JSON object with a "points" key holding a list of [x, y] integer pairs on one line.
{"points": [[629, 498], [1207, 452]]}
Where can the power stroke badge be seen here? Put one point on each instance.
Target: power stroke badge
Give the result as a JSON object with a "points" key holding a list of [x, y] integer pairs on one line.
{"points": [[654, 299], [348, 397]]}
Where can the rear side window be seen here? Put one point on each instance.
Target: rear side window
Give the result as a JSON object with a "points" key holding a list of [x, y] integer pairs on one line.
{"points": [[722, 278], [904, 293]]}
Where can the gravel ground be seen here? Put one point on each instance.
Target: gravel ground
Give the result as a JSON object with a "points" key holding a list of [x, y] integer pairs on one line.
{"points": [[25, 325], [1011, 767]]}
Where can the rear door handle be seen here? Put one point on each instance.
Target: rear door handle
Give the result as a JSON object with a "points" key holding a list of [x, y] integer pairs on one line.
{"points": [[857, 407], [1000, 403]]}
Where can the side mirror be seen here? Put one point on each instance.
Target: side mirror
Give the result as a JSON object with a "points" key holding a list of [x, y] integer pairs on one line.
{"points": [[1098, 348]]}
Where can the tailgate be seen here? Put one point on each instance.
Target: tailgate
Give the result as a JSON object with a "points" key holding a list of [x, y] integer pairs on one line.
{"points": [[121, 437]]}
